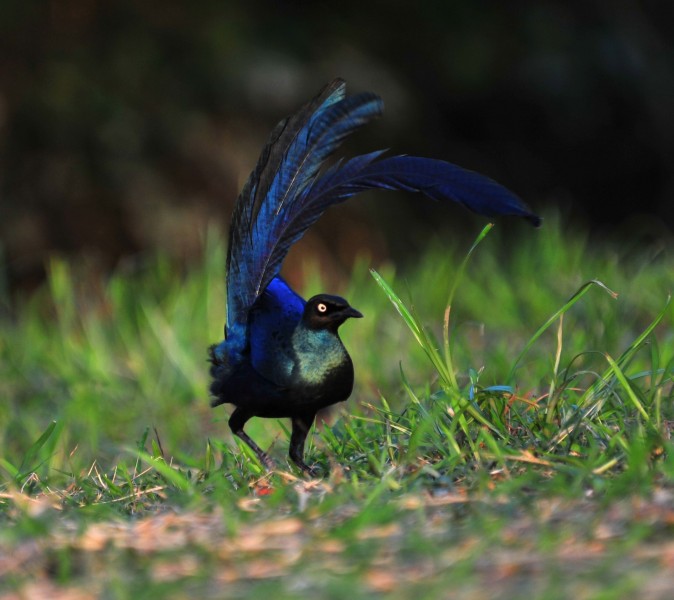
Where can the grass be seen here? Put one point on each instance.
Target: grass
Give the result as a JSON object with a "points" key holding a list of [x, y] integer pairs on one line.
{"points": [[508, 436]]}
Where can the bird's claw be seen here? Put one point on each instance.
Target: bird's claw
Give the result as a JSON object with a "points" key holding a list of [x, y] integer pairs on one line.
{"points": [[312, 472], [267, 462]]}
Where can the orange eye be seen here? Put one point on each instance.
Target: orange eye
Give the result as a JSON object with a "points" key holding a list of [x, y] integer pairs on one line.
{"points": [[321, 308]]}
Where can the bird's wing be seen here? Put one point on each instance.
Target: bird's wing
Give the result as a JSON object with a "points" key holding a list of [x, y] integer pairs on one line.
{"points": [[289, 163], [272, 321]]}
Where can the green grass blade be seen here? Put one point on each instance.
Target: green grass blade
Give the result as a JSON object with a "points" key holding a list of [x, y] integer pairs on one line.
{"points": [[605, 381], [34, 450], [620, 376], [450, 300], [419, 333], [575, 298], [168, 472]]}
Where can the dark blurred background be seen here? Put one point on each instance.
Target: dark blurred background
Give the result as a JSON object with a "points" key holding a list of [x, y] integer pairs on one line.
{"points": [[127, 127]]}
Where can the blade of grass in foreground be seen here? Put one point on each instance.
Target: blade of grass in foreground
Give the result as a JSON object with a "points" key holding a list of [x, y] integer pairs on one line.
{"points": [[620, 376], [593, 399], [618, 365], [445, 368], [41, 451], [172, 475], [463, 405], [450, 300], [419, 333], [577, 296]]}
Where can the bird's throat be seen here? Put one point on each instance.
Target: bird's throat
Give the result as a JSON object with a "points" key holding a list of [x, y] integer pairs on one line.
{"points": [[319, 354]]}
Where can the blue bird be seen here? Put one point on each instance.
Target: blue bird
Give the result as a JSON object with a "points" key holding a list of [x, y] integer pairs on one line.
{"points": [[282, 356]]}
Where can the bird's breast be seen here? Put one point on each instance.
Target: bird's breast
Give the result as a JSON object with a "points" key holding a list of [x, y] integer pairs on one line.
{"points": [[321, 361]]}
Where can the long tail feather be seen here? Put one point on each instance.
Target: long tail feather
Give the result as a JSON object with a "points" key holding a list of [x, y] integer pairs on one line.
{"points": [[284, 195], [437, 179], [242, 250], [288, 164], [306, 155]]}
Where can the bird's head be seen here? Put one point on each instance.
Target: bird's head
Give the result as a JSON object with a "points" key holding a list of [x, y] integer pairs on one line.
{"points": [[328, 312]]}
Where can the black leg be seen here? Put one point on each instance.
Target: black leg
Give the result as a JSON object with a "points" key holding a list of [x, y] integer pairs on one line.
{"points": [[236, 423], [301, 426]]}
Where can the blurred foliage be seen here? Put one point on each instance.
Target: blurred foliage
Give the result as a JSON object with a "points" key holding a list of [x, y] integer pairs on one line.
{"points": [[129, 125]]}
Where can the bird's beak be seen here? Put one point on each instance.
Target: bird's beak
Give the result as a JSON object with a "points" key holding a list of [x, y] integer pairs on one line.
{"points": [[352, 312]]}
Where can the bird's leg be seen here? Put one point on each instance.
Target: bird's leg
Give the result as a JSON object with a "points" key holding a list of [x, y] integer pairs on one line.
{"points": [[236, 422], [301, 426]]}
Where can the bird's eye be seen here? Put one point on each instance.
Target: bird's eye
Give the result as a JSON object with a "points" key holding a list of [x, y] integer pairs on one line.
{"points": [[321, 308]]}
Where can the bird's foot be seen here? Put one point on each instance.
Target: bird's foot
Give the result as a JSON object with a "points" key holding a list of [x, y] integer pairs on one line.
{"points": [[267, 461], [312, 472]]}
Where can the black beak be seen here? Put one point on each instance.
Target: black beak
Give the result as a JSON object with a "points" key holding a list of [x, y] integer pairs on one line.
{"points": [[351, 312]]}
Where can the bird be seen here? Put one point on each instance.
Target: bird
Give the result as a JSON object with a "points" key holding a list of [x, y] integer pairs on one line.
{"points": [[282, 356]]}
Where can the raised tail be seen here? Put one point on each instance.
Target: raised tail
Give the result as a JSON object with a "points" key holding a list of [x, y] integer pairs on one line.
{"points": [[285, 195]]}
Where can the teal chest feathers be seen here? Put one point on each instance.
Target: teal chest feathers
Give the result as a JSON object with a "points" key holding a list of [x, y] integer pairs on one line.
{"points": [[319, 355]]}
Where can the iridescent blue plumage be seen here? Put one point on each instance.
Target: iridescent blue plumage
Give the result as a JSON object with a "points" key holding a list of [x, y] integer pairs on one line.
{"points": [[271, 324], [282, 356]]}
